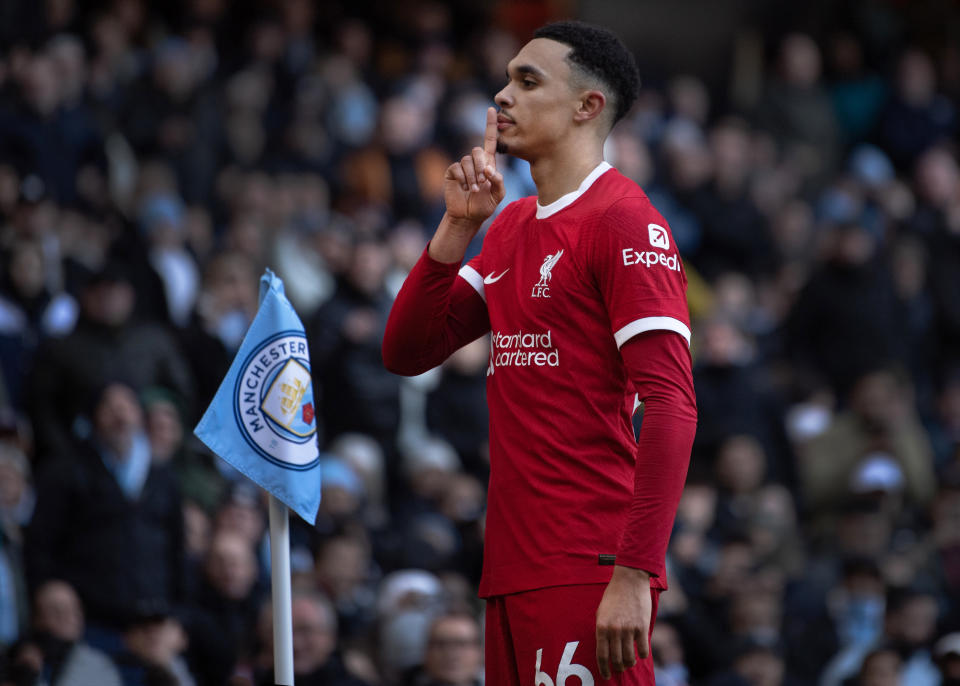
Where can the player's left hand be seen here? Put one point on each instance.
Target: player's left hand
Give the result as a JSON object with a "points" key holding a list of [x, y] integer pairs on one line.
{"points": [[623, 621]]}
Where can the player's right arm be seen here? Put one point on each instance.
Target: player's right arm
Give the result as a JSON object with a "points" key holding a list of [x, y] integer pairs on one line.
{"points": [[435, 313]]}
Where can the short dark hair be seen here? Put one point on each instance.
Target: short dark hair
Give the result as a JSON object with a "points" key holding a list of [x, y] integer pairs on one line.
{"points": [[599, 53]]}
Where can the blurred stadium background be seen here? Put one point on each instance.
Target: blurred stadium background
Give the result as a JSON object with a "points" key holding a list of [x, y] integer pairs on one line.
{"points": [[155, 157]]}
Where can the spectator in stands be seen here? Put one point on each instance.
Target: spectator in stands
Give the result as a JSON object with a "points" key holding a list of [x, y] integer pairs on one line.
{"points": [[54, 652], [344, 572], [225, 307], [849, 612], [735, 235], [106, 344], [53, 136], [345, 333], [881, 667], [457, 408], [29, 313], [454, 653], [317, 661], [341, 498], [946, 652], [748, 502], [16, 508], [224, 610], [162, 222], [755, 663], [943, 563], [668, 659], [463, 504], [879, 419], [197, 476], [153, 644], [909, 626], [858, 93], [797, 111], [174, 117], [917, 116], [848, 318], [945, 429], [937, 220], [736, 396], [108, 520], [363, 455], [408, 600]]}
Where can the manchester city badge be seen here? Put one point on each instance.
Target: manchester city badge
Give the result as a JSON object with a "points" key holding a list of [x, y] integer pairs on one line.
{"points": [[273, 401]]}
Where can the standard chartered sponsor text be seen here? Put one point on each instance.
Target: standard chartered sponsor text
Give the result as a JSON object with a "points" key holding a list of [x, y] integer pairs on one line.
{"points": [[524, 349]]}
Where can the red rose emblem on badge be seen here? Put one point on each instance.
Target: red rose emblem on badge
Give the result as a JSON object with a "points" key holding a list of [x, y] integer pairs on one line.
{"points": [[308, 413]]}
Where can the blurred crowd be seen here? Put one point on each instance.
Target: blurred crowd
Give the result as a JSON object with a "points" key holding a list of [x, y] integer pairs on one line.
{"points": [[154, 158]]}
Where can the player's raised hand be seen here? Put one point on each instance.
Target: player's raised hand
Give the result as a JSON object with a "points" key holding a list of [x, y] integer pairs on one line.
{"points": [[472, 186]]}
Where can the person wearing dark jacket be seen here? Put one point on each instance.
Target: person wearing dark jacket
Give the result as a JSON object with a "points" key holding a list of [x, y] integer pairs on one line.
{"points": [[358, 393], [847, 319], [224, 609], [54, 652], [106, 344], [108, 520]]}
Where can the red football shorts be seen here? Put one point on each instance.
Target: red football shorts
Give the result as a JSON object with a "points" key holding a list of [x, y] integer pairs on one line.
{"points": [[548, 637]]}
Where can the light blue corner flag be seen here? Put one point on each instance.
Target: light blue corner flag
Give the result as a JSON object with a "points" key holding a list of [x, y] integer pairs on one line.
{"points": [[262, 420]]}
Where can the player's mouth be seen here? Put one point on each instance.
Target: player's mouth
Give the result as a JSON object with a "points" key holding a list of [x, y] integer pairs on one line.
{"points": [[503, 122]]}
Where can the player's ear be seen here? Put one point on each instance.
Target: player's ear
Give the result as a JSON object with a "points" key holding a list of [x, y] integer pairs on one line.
{"points": [[590, 105]]}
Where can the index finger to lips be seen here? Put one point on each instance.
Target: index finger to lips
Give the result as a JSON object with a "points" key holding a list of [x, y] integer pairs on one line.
{"points": [[490, 135]]}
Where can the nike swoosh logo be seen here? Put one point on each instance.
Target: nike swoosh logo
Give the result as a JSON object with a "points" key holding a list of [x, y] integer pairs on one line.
{"points": [[490, 278]]}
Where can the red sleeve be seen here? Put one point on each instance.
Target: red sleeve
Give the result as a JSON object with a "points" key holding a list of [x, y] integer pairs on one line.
{"points": [[434, 314], [638, 270], [658, 363]]}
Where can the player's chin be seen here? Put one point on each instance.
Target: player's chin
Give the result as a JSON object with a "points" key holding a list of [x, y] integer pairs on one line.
{"points": [[511, 146], [508, 143]]}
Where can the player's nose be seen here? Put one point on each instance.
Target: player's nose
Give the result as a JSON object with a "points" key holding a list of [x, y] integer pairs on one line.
{"points": [[503, 98]]}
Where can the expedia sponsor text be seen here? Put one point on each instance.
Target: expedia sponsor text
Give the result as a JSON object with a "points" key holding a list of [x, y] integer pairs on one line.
{"points": [[650, 258]]}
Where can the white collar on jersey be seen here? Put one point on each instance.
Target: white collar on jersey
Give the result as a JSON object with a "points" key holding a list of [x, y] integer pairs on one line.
{"points": [[544, 211]]}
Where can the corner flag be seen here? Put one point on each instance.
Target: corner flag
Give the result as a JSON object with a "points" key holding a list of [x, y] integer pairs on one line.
{"points": [[262, 419]]}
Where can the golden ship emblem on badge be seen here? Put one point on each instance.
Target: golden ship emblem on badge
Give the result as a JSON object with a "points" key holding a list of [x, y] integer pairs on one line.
{"points": [[542, 287]]}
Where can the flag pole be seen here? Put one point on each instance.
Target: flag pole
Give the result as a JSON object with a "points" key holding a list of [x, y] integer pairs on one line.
{"points": [[269, 433], [280, 585]]}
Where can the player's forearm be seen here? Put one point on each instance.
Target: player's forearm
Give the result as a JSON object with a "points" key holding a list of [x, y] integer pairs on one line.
{"points": [[410, 345], [663, 449], [430, 318], [449, 243], [663, 457]]}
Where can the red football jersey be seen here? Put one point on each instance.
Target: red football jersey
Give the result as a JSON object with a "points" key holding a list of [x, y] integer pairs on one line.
{"points": [[565, 286]]}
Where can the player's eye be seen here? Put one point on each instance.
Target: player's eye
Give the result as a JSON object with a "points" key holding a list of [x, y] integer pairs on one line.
{"points": [[527, 83]]}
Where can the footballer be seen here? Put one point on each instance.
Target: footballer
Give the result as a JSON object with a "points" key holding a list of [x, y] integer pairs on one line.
{"points": [[582, 292]]}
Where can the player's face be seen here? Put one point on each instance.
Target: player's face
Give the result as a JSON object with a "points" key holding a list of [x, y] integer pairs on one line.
{"points": [[538, 104]]}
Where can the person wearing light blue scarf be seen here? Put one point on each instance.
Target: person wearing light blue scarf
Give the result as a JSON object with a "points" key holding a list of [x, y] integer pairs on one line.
{"points": [[122, 441], [131, 467], [109, 520]]}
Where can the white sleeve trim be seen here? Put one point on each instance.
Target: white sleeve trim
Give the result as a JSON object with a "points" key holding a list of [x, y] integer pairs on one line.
{"points": [[472, 277], [650, 324]]}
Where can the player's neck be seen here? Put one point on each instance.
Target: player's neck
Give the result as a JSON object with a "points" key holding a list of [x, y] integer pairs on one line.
{"points": [[559, 174]]}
